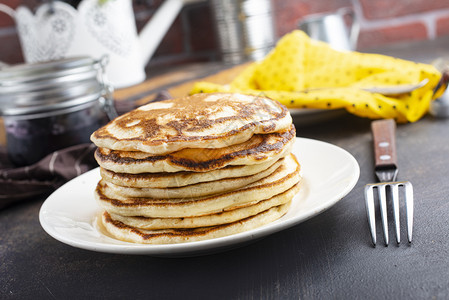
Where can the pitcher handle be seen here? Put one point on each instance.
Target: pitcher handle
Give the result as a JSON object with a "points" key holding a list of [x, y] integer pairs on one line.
{"points": [[355, 26], [8, 10]]}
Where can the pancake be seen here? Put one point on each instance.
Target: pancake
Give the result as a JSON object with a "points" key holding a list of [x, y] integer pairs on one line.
{"points": [[177, 179], [286, 176], [259, 149], [224, 217], [197, 121], [193, 190], [195, 168], [128, 233]]}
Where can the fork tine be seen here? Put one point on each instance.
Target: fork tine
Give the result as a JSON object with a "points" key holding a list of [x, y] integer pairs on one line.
{"points": [[383, 211], [393, 191], [395, 199], [369, 200], [409, 208]]}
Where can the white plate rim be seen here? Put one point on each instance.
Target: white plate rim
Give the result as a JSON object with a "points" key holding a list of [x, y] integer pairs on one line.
{"points": [[314, 156]]}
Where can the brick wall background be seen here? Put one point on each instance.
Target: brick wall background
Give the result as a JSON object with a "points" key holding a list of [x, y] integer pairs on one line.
{"points": [[192, 37]]}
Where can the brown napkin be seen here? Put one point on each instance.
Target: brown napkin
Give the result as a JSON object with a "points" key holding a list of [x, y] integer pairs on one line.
{"points": [[43, 177]]}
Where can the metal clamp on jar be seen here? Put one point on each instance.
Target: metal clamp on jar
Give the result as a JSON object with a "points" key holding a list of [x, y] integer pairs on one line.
{"points": [[53, 105]]}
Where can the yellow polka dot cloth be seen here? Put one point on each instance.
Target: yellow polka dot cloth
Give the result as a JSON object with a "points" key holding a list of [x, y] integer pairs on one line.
{"points": [[303, 73]]}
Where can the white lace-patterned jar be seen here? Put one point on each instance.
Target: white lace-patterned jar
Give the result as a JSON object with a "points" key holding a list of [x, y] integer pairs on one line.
{"points": [[52, 105]]}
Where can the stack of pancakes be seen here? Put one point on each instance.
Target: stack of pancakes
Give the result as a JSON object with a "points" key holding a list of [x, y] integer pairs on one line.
{"points": [[195, 168]]}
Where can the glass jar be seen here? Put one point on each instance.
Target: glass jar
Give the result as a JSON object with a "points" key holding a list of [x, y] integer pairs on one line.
{"points": [[53, 105]]}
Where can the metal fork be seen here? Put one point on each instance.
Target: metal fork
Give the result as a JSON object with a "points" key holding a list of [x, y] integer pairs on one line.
{"points": [[386, 171]]}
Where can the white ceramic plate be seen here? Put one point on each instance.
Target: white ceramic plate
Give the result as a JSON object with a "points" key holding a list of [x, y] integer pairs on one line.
{"points": [[70, 213]]}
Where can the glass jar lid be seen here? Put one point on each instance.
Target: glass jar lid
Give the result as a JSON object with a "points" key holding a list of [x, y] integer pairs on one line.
{"points": [[46, 86]]}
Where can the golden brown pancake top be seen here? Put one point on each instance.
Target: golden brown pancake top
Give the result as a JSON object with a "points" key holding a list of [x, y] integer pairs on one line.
{"points": [[197, 121]]}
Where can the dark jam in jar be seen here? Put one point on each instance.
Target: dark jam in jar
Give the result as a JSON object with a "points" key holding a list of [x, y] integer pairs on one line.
{"points": [[32, 138], [53, 105]]}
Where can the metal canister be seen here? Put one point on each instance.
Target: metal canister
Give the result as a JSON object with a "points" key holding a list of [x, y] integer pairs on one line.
{"points": [[245, 29], [52, 105]]}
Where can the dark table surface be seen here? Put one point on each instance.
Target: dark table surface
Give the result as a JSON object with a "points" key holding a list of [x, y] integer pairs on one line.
{"points": [[327, 257]]}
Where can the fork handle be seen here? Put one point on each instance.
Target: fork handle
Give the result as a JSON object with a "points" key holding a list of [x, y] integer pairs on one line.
{"points": [[384, 132]]}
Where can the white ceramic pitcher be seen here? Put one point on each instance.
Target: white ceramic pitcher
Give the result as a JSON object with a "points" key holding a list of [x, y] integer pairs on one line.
{"points": [[57, 30]]}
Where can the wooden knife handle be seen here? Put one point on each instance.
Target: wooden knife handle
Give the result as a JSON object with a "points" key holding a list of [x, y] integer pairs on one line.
{"points": [[384, 137]]}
